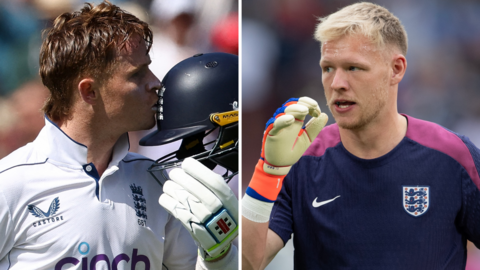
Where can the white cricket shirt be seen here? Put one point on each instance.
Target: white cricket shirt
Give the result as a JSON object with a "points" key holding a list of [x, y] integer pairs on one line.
{"points": [[56, 213]]}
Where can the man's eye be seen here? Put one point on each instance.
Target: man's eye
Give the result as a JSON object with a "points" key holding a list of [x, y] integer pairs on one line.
{"points": [[327, 69], [353, 68], [138, 74]]}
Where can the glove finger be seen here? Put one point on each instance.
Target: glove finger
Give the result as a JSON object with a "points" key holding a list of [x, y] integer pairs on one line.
{"points": [[285, 130], [289, 108], [191, 202], [196, 188], [298, 111], [283, 125], [315, 125], [311, 104], [279, 145], [214, 182], [177, 210], [280, 123]]}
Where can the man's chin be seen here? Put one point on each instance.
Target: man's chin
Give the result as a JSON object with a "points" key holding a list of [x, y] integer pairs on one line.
{"points": [[146, 126], [350, 124], [150, 125], [344, 122]]}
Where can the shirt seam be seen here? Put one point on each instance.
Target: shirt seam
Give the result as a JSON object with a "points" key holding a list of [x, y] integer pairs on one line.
{"points": [[24, 164], [10, 220], [138, 159], [445, 154]]}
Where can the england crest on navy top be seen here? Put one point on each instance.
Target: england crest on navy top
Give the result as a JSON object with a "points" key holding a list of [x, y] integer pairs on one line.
{"points": [[416, 199]]}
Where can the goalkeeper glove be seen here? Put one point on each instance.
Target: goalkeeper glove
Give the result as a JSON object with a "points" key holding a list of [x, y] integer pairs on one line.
{"points": [[284, 141], [205, 205]]}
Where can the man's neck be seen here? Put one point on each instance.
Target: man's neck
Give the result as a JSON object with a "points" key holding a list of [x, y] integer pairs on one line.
{"points": [[377, 138], [99, 141]]}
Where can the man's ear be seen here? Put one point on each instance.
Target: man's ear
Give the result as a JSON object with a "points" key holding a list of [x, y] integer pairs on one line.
{"points": [[399, 66], [87, 90]]}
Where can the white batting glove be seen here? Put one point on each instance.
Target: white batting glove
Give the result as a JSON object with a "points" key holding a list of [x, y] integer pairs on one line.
{"points": [[205, 205]]}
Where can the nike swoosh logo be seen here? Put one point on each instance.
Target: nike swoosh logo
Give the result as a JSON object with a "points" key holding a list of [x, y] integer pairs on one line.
{"points": [[318, 204]]}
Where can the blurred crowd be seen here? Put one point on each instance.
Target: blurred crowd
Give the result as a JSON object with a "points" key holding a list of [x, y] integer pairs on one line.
{"points": [[181, 29], [280, 60]]}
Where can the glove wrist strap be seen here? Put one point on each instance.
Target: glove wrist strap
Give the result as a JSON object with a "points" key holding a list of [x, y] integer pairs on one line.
{"points": [[209, 258], [265, 184]]}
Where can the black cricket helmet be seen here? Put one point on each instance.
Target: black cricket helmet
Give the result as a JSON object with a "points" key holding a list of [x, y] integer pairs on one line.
{"points": [[199, 94]]}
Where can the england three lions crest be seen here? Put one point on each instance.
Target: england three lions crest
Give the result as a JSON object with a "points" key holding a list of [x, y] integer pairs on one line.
{"points": [[416, 199], [139, 201]]}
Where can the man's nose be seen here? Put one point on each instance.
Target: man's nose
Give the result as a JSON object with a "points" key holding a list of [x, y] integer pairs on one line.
{"points": [[153, 83], [339, 81]]}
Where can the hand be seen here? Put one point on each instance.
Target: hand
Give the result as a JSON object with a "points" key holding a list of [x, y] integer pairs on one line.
{"points": [[284, 141], [204, 204]]}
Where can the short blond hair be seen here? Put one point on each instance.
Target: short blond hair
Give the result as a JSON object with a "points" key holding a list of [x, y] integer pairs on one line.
{"points": [[371, 20]]}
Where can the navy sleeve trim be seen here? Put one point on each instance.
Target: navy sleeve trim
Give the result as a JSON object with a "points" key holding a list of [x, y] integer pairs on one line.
{"points": [[254, 194]]}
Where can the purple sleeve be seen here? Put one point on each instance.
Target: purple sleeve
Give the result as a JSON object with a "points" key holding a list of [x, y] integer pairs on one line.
{"points": [[441, 139], [461, 149], [328, 137], [469, 220]]}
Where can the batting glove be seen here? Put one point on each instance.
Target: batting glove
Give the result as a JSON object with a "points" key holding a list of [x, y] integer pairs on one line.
{"points": [[205, 205], [284, 141]]}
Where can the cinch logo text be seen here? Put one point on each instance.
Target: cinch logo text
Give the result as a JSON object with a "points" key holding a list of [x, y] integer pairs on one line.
{"points": [[84, 248]]}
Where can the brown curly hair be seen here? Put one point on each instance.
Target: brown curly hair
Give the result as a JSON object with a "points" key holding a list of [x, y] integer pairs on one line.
{"points": [[84, 43]]}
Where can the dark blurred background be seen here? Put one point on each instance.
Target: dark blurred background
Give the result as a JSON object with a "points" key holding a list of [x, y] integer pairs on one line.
{"points": [[280, 60]]}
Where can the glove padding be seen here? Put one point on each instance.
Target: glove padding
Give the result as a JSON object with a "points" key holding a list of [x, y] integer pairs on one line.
{"points": [[284, 141], [205, 205]]}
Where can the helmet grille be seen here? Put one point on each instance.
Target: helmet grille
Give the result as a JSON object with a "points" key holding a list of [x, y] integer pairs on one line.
{"points": [[211, 64]]}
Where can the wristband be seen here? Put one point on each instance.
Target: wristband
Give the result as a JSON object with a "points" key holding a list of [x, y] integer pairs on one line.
{"points": [[255, 210]]}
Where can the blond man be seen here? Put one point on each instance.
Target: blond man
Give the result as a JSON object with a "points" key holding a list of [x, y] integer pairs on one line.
{"points": [[376, 190]]}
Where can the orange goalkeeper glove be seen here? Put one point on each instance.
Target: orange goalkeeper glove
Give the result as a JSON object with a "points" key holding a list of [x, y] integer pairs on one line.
{"points": [[284, 141]]}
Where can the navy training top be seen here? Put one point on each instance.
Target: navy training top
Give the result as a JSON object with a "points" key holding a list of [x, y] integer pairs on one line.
{"points": [[412, 208]]}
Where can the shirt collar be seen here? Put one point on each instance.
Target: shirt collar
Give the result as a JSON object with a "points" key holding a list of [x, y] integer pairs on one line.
{"points": [[59, 147]]}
